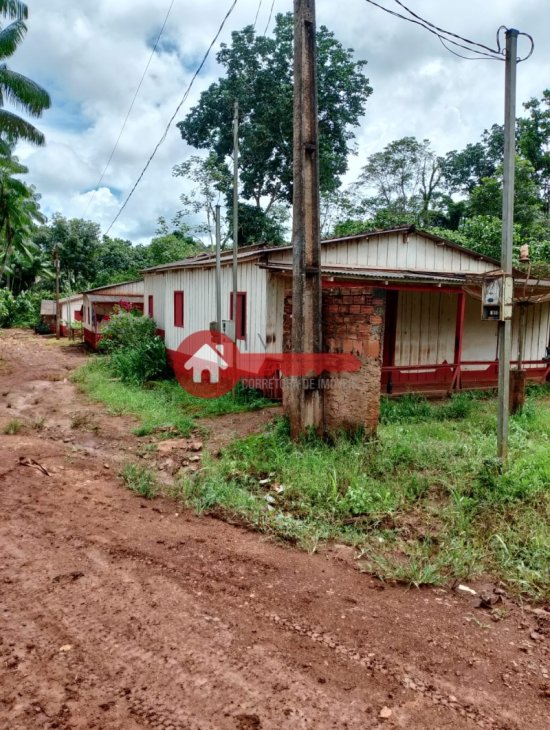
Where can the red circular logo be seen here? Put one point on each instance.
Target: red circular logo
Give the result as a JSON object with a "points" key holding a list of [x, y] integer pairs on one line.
{"points": [[206, 364]]}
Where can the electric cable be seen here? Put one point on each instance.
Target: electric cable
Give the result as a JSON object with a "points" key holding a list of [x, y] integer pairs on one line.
{"points": [[155, 46], [257, 13], [270, 16], [174, 115]]}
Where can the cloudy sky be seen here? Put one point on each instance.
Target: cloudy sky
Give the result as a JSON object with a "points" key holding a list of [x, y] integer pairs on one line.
{"points": [[90, 55]]}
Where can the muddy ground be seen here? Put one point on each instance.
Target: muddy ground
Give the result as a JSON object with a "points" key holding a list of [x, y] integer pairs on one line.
{"points": [[116, 612]]}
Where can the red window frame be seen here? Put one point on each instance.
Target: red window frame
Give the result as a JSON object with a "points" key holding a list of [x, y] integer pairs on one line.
{"points": [[179, 309], [150, 306], [240, 323]]}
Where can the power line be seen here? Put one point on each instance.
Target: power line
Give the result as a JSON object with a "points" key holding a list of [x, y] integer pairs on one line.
{"points": [[446, 32], [257, 13], [446, 36], [163, 27], [442, 34], [174, 115], [270, 16]]}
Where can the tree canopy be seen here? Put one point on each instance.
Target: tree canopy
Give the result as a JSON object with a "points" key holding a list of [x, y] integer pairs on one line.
{"points": [[459, 194], [15, 88], [259, 76]]}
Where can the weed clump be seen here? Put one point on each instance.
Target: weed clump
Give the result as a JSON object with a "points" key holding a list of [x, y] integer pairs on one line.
{"points": [[141, 480]]}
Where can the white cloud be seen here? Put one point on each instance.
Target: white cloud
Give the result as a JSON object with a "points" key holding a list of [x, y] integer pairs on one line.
{"points": [[91, 54]]}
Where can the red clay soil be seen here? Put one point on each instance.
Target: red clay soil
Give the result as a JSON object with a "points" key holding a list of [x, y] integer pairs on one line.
{"points": [[121, 613]]}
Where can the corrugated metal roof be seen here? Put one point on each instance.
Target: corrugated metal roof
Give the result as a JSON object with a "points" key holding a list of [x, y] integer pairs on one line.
{"points": [[115, 297], [351, 272], [113, 286], [209, 259]]}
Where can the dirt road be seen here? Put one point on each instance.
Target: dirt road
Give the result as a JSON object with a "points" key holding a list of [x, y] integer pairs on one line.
{"points": [[120, 613]]}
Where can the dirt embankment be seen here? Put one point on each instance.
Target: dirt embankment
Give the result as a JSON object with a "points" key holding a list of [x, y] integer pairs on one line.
{"points": [[120, 613]]}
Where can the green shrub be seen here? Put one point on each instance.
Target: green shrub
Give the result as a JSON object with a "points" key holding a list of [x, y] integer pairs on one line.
{"points": [[7, 307], [136, 353], [20, 311]]}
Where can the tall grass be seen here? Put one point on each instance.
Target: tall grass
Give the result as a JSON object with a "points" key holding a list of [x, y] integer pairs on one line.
{"points": [[161, 405], [425, 501]]}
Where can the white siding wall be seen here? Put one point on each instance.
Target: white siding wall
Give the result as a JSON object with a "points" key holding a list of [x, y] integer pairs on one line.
{"points": [[155, 285], [425, 333], [480, 338], [426, 324], [537, 332], [389, 251], [199, 287], [276, 287], [68, 310]]}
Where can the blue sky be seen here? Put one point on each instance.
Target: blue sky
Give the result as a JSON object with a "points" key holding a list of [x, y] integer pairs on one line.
{"points": [[91, 54]]}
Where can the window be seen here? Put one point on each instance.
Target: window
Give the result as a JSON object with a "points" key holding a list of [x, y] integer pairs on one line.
{"points": [[240, 320], [150, 310], [178, 309]]}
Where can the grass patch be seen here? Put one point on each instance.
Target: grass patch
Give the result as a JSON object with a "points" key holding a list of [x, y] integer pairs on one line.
{"points": [[424, 501], [13, 427], [141, 480], [162, 406]]}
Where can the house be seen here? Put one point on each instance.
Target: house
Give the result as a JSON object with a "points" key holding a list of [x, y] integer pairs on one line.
{"points": [[71, 311], [407, 303], [99, 303]]}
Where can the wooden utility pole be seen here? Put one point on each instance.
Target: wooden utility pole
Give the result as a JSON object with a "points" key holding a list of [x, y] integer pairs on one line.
{"points": [[505, 325], [304, 406], [57, 302]]}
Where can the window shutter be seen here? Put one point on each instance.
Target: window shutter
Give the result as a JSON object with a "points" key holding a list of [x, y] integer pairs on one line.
{"points": [[150, 306], [178, 309], [240, 323]]}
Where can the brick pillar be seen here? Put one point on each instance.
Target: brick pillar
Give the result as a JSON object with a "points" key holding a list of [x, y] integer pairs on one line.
{"points": [[353, 320]]}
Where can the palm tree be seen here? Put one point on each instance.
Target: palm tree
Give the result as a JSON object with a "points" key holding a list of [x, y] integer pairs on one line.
{"points": [[15, 88], [19, 213]]}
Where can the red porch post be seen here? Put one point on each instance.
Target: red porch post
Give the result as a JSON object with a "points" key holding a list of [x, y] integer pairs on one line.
{"points": [[459, 334]]}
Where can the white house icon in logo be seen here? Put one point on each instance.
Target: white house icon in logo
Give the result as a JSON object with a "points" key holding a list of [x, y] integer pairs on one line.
{"points": [[207, 359]]}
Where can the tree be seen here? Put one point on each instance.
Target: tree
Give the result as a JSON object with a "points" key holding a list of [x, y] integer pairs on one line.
{"points": [[19, 213], [534, 143], [78, 242], [259, 77], [486, 198], [401, 184], [171, 247], [210, 186], [14, 87], [119, 260]]}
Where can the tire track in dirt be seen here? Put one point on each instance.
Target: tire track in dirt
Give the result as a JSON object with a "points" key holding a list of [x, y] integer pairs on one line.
{"points": [[414, 682]]}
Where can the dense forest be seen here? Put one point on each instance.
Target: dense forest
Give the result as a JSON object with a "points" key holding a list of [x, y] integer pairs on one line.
{"points": [[457, 194]]}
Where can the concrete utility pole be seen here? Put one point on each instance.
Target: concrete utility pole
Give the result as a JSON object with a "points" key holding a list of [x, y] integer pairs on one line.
{"points": [[235, 211], [218, 271], [304, 407], [57, 302], [505, 326]]}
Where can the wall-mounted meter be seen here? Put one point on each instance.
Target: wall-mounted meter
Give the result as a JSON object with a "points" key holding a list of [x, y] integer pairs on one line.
{"points": [[497, 295], [228, 328]]}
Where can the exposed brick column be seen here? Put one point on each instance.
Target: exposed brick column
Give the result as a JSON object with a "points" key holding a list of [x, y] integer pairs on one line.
{"points": [[353, 323]]}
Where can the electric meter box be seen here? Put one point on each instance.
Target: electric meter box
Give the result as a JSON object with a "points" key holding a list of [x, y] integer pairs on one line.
{"points": [[497, 296], [228, 328]]}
